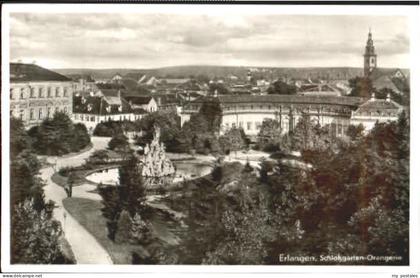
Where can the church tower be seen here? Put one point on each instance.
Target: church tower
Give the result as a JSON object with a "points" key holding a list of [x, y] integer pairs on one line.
{"points": [[369, 56]]}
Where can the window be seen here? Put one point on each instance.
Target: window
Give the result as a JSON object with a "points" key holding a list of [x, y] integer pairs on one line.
{"points": [[49, 92], [40, 113], [41, 92], [11, 93], [32, 93], [241, 124], [252, 107], [248, 125], [31, 114], [21, 114], [81, 117], [57, 109], [257, 125], [22, 93], [57, 92], [92, 118], [48, 112], [66, 92]]}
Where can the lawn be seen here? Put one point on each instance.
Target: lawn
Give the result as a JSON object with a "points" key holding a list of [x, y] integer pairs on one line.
{"points": [[88, 214]]}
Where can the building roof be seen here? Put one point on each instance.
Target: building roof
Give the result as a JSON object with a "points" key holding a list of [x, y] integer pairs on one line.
{"points": [[138, 100], [290, 99], [166, 99], [97, 105], [129, 83], [110, 86], [77, 77], [20, 72], [375, 105], [174, 81], [317, 88]]}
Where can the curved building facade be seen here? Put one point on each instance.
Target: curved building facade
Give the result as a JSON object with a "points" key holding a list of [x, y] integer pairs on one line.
{"points": [[248, 112]]}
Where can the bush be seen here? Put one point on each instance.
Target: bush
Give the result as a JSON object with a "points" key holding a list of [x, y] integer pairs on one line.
{"points": [[118, 142], [59, 136], [108, 129], [65, 171]]}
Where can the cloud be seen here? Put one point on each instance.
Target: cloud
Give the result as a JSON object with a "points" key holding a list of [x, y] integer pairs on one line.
{"points": [[155, 40]]}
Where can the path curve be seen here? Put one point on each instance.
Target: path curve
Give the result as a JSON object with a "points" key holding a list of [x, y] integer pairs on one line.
{"points": [[85, 247]]}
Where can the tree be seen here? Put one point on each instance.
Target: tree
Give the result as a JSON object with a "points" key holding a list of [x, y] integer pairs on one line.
{"points": [[212, 112], [269, 136], [361, 87], [220, 88], [58, 136], [233, 140], [123, 233], [246, 231], [140, 231], [108, 129], [99, 157], [355, 132], [281, 88], [19, 139], [71, 181], [35, 236], [25, 184], [170, 126], [81, 137], [128, 196], [119, 142]]}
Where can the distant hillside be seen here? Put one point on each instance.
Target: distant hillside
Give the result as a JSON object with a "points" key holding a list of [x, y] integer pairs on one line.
{"points": [[223, 71]]}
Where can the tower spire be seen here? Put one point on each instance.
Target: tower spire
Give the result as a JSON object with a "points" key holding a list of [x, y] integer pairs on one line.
{"points": [[369, 56]]}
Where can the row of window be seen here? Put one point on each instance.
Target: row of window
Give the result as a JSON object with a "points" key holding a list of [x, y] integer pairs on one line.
{"points": [[90, 118], [38, 114], [378, 113], [48, 92], [241, 125]]}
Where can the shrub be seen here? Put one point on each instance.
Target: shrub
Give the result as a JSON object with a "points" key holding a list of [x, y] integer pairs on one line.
{"points": [[118, 142]]}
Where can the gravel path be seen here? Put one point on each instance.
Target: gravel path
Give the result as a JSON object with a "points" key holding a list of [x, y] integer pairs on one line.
{"points": [[85, 247]]}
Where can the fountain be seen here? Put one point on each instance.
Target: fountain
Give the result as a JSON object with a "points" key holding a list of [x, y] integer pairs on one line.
{"points": [[154, 165], [156, 168]]}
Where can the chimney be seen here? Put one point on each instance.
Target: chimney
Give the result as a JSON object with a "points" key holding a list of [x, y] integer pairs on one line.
{"points": [[373, 96], [388, 97]]}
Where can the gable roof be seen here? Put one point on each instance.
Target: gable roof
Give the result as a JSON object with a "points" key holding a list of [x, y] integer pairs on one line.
{"points": [[386, 78], [20, 72], [97, 105]]}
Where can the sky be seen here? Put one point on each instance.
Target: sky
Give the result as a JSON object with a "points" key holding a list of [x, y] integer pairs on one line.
{"points": [[119, 40]]}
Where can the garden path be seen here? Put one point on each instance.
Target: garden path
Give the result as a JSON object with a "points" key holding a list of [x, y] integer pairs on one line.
{"points": [[85, 247]]}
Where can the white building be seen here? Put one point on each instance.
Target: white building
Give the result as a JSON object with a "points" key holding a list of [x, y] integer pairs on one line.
{"points": [[110, 106], [376, 110], [37, 93], [249, 111]]}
